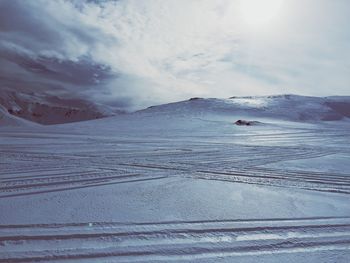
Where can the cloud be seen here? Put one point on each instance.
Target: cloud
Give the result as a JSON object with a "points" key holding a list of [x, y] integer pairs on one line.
{"points": [[136, 53]]}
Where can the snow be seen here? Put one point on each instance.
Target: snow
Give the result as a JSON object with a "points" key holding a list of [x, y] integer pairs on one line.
{"points": [[285, 107], [180, 183]]}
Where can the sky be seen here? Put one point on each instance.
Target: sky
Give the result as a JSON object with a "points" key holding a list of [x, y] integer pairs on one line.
{"points": [[132, 54]]}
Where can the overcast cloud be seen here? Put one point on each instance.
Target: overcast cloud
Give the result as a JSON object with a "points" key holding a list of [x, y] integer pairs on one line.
{"points": [[134, 53]]}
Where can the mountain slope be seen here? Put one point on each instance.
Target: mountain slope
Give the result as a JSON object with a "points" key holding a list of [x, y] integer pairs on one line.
{"points": [[6, 119], [286, 107], [47, 109]]}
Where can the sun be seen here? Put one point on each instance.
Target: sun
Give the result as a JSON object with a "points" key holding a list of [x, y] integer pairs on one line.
{"points": [[259, 13]]}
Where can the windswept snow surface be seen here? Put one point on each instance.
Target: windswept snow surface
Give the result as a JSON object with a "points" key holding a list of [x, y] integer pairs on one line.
{"points": [[179, 183]]}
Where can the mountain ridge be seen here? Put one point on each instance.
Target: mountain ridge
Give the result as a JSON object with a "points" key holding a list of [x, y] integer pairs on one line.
{"points": [[45, 109]]}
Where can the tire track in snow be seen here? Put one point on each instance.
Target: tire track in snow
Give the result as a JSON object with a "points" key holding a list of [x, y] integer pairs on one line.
{"points": [[172, 240], [316, 182], [211, 161], [62, 182]]}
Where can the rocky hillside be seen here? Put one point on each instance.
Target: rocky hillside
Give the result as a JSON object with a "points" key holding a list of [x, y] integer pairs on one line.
{"points": [[47, 109]]}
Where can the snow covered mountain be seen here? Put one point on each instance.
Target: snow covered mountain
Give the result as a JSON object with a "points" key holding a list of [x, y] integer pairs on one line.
{"points": [[47, 109], [286, 107]]}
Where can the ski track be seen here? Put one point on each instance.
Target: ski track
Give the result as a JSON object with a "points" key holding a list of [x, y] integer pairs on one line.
{"points": [[75, 162]]}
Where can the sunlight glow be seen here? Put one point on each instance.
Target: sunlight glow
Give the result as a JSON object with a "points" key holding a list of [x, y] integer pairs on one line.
{"points": [[259, 13]]}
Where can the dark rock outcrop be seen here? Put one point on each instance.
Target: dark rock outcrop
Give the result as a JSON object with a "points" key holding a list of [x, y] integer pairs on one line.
{"points": [[246, 123]]}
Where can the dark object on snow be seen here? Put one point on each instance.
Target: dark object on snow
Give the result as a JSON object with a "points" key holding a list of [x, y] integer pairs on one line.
{"points": [[246, 123], [195, 98]]}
